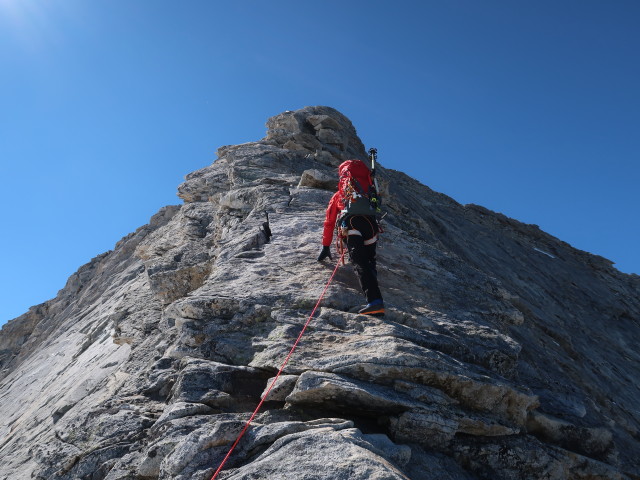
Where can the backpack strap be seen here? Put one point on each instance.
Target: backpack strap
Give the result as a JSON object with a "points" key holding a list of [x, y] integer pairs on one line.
{"points": [[356, 183], [358, 186]]}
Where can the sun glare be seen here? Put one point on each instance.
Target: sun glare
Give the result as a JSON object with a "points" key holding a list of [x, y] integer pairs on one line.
{"points": [[30, 22], [20, 10]]}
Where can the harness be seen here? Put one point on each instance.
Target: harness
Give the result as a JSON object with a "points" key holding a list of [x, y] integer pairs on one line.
{"points": [[343, 231], [371, 241]]}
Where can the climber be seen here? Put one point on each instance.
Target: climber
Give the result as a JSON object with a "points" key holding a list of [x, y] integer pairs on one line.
{"points": [[350, 209]]}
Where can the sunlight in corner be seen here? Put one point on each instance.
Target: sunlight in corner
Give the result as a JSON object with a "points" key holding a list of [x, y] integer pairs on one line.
{"points": [[30, 22]]}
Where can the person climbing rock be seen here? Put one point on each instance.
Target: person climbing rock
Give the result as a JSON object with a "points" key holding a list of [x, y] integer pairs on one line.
{"points": [[350, 209]]}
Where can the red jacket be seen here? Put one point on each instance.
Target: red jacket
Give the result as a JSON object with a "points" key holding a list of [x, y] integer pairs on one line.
{"points": [[359, 170]]}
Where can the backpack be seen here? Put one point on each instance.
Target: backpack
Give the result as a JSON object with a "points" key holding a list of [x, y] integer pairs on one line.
{"points": [[357, 189]]}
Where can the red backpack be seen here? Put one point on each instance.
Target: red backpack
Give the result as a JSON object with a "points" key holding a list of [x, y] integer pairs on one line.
{"points": [[356, 189]]}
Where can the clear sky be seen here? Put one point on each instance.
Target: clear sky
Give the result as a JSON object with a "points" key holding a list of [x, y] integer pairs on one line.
{"points": [[530, 108]]}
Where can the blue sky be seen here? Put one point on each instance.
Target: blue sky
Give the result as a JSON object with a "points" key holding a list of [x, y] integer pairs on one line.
{"points": [[529, 108]]}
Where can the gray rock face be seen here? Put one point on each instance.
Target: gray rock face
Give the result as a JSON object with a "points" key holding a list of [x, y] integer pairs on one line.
{"points": [[505, 353]]}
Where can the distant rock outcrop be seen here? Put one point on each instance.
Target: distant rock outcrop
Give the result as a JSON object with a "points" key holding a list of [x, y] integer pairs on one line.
{"points": [[505, 352]]}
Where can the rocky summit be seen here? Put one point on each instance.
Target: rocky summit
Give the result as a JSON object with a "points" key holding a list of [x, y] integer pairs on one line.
{"points": [[505, 353]]}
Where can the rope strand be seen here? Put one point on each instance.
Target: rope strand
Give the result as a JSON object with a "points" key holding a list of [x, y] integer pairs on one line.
{"points": [[284, 364]]}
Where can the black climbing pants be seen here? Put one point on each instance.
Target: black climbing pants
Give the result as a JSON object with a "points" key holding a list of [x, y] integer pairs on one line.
{"points": [[363, 257]]}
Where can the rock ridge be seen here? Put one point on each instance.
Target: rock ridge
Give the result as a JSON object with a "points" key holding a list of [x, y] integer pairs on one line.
{"points": [[505, 353]]}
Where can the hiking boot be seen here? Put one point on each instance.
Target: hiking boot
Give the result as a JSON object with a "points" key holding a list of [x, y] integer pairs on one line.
{"points": [[375, 308]]}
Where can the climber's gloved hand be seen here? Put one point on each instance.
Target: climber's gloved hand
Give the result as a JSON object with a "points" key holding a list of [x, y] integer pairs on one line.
{"points": [[324, 253]]}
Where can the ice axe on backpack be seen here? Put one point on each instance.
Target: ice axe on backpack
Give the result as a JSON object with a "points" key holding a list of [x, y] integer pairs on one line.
{"points": [[373, 156], [375, 201]]}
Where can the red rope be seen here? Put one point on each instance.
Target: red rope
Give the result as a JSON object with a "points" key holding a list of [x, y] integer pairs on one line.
{"points": [[264, 397]]}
